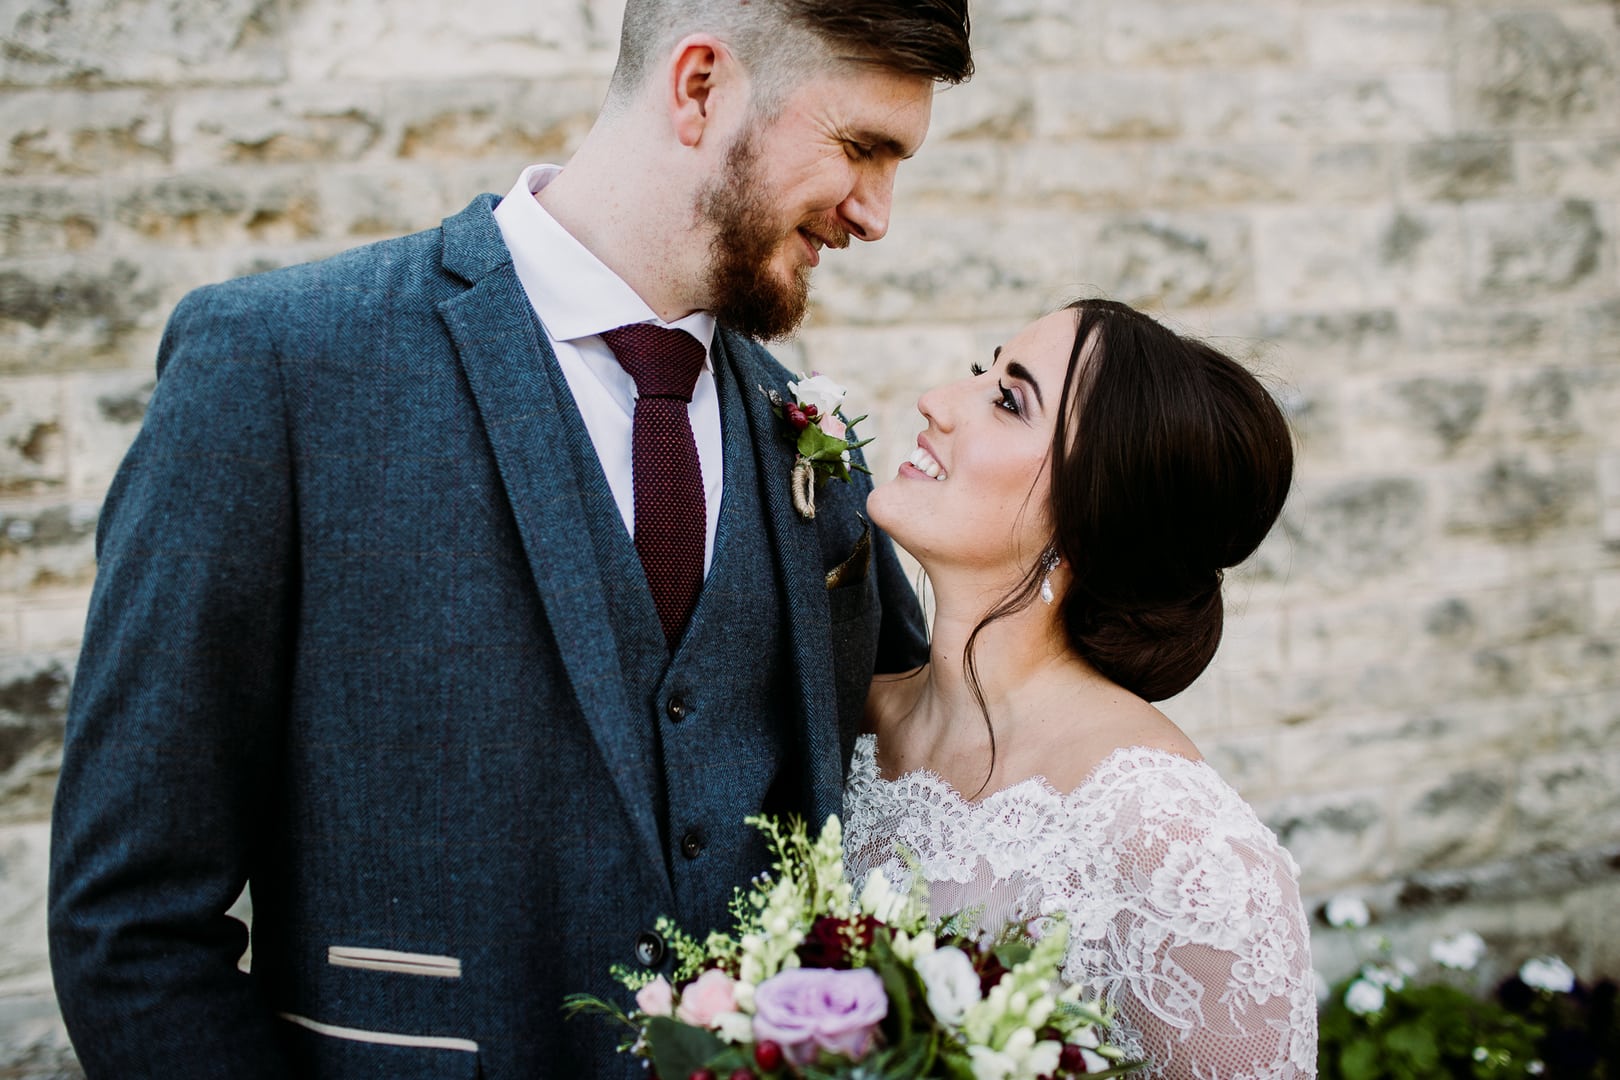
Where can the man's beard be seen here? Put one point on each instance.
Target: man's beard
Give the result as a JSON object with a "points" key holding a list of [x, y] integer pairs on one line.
{"points": [[743, 293]]}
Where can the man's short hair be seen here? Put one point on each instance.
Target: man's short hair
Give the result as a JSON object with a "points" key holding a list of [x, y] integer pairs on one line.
{"points": [[783, 42]]}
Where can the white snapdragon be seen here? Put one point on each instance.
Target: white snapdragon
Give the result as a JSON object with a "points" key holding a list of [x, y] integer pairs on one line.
{"points": [[1363, 997], [1020, 1056], [1460, 952], [951, 982], [1347, 911], [820, 391], [880, 900], [1547, 973]]}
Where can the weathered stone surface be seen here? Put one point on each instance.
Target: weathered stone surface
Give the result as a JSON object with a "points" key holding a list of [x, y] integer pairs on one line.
{"points": [[517, 121], [1456, 169], [1341, 836], [1346, 534], [1082, 175], [82, 132], [1517, 251], [1582, 169], [1171, 261], [264, 126], [40, 218], [1448, 409], [1567, 802], [364, 39], [69, 312], [33, 452], [1492, 333], [1206, 34], [211, 210], [114, 41], [1355, 257], [1349, 172], [1105, 106], [48, 546], [33, 1041], [102, 413], [1514, 498], [992, 106], [1324, 106], [1540, 69], [1382, 38], [33, 699], [1190, 176], [1456, 821]]}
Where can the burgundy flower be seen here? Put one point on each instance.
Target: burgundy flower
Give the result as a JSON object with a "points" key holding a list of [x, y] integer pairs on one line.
{"points": [[828, 943]]}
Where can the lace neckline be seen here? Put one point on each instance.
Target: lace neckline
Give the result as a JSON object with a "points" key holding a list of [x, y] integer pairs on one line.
{"points": [[865, 763]]}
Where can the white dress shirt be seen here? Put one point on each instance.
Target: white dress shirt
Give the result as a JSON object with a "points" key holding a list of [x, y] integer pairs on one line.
{"points": [[577, 298]]}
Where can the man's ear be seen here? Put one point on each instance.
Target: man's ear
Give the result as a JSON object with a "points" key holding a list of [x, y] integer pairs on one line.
{"points": [[702, 74]]}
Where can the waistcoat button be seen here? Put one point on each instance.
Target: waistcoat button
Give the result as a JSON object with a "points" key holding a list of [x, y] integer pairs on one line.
{"points": [[676, 709], [692, 844], [649, 949]]}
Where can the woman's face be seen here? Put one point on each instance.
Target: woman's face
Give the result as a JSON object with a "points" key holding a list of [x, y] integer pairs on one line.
{"points": [[974, 492]]}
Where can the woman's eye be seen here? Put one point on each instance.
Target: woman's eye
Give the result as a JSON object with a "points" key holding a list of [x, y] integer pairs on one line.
{"points": [[976, 368], [1008, 401]]}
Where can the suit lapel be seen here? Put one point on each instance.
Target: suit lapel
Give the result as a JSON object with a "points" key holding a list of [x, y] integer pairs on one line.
{"points": [[804, 595], [501, 350]]}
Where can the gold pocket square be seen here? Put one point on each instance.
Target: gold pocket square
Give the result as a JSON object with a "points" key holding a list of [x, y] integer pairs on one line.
{"points": [[853, 569]]}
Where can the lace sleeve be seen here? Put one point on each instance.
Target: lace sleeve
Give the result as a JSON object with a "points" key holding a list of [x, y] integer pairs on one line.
{"points": [[1184, 914]]}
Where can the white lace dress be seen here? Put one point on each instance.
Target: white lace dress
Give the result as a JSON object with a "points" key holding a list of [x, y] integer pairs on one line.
{"points": [[1183, 910]]}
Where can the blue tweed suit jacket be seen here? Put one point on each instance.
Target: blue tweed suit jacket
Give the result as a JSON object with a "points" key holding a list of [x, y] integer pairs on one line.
{"points": [[348, 645]]}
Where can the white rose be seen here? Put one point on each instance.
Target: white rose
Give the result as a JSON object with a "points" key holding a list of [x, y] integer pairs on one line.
{"points": [[1548, 973], [952, 984], [1363, 997], [1345, 911], [820, 391], [1461, 952]]}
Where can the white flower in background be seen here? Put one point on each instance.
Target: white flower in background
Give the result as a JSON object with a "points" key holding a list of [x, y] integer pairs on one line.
{"points": [[1323, 990], [1460, 952], [1362, 997], [951, 982], [1351, 911], [820, 391], [1536, 1068], [1385, 975], [1548, 973]]}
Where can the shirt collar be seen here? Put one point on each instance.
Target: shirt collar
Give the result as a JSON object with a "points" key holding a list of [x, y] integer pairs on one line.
{"points": [[573, 292]]}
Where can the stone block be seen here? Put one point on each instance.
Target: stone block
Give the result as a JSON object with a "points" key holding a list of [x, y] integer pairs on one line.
{"points": [[1567, 665], [1539, 71], [275, 126], [1389, 38], [1326, 343], [33, 1041], [1517, 251], [375, 202], [1185, 176], [1351, 108], [33, 448], [1082, 174], [103, 413], [1014, 34], [1113, 105], [518, 121], [47, 546], [111, 42], [990, 106], [1455, 169], [38, 218], [1174, 261], [1357, 257], [1570, 168], [1349, 172], [70, 311], [1485, 335], [1455, 820], [956, 175], [1567, 802], [83, 132], [1336, 837], [364, 39], [1605, 587], [1516, 498], [1446, 410], [220, 209], [1348, 533], [24, 860], [1200, 35], [33, 702], [1594, 331], [54, 623], [1221, 105]]}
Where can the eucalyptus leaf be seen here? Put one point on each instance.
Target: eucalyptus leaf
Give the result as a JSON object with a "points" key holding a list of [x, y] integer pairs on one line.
{"points": [[679, 1049]]}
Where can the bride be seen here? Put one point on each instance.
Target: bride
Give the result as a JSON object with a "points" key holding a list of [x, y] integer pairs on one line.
{"points": [[1074, 505]]}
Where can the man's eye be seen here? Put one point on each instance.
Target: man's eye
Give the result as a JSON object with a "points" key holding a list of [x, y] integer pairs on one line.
{"points": [[1008, 401], [860, 151]]}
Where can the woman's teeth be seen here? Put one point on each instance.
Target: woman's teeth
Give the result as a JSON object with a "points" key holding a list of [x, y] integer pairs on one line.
{"points": [[924, 461]]}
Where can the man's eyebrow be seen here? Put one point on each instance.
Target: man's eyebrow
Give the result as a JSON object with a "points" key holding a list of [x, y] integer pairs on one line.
{"points": [[1022, 374]]}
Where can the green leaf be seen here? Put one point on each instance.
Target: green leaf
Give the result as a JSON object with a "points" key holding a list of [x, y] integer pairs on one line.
{"points": [[678, 1049], [1416, 1044], [1359, 1061]]}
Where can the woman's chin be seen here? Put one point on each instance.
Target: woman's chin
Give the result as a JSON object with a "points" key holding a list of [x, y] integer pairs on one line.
{"points": [[884, 511]]}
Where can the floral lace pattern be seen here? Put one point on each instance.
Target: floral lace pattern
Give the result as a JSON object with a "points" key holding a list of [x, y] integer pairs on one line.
{"points": [[1183, 910]]}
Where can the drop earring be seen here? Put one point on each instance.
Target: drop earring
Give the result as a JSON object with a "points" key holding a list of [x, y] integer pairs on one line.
{"points": [[1049, 562]]}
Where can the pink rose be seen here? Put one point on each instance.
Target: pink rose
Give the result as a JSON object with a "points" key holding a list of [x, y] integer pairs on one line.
{"points": [[807, 1010], [656, 997], [706, 997], [833, 426]]}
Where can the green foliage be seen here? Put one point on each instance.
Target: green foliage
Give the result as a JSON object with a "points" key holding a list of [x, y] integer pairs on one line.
{"points": [[1425, 1032]]}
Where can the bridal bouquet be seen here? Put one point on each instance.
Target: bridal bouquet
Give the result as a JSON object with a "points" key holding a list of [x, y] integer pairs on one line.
{"points": [[815, 982]]}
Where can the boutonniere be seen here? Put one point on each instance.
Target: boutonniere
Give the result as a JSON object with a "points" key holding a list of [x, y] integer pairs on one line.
{"points": [[822, 437]]}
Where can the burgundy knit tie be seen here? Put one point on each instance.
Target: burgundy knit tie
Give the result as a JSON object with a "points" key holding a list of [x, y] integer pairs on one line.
{"points": [[670, 522]]}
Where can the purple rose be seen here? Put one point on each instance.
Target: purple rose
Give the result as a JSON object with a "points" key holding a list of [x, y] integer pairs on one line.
{"points": [[811, 1009]]}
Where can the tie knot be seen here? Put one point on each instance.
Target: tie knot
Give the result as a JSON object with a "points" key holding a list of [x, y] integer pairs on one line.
{"points": [[664, 362]]}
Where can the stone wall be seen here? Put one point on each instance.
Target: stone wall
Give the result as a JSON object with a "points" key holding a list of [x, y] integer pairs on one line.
{"points": [[1403, 213]]}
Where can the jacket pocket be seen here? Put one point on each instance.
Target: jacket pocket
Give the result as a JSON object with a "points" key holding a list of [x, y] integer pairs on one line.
{"points": [[352, 1053]]}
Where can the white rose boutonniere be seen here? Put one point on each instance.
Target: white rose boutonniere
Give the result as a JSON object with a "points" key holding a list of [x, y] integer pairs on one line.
{"points": [[821, 436]]}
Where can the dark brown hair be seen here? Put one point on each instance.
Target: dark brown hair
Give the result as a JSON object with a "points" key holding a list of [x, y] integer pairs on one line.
{"points": [[1170, 462]]}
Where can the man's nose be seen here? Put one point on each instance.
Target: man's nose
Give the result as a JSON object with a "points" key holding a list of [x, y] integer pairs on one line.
{"points": [[866, 209]]}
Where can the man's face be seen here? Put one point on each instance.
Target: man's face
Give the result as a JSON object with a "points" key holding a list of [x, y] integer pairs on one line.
{"points": [[818, 173]]}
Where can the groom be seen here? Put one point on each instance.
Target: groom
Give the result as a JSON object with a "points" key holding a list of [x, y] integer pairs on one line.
{"points": [[431, 608]]}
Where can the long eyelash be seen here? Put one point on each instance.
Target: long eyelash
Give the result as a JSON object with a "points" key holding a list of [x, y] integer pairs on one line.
{"points": [[976, 368], [1008, 401]]}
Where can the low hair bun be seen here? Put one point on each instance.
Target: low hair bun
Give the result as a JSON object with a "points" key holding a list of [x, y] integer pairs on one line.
{"points": [[1153, 649]]}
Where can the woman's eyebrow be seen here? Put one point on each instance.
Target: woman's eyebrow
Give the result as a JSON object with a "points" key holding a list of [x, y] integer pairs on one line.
{"points": [[1022, 374]]}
